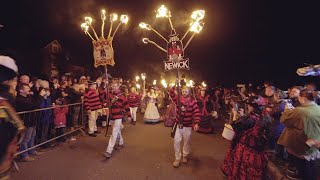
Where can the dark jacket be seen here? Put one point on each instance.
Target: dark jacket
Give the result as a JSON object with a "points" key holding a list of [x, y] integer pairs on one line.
{"points": [[46, 115], [277, 126], [26, 104]]}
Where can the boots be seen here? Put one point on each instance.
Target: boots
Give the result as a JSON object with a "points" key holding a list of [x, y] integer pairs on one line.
{"points": [[176, 163], [184, 159]]}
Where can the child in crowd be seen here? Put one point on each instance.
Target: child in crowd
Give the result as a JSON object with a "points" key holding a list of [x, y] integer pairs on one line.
{"points": [[60, 119]]}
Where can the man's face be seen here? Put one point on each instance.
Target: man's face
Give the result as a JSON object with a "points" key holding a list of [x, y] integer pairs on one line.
{"points": [[269, 91], [185, 92], [294, 93], [115, 87], [98, 81], [311, 87], [25, 90], [25, 79], [93, 86]]}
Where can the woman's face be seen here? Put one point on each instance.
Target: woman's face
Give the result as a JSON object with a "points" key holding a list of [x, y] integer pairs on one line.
{"points": [[133, 90], [202, 92]]}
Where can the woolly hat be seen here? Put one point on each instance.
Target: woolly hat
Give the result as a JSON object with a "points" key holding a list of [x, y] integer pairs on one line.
{"points": [[8, 68]]}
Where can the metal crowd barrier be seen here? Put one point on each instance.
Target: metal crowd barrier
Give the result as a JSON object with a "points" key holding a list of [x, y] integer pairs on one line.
{"points": [[45, 129]]}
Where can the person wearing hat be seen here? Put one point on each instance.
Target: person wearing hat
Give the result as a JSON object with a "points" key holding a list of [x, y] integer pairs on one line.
{"points": [[92, 104], [246, 158], [207, 111], [11, 126], [8, 79], [190, 119]]}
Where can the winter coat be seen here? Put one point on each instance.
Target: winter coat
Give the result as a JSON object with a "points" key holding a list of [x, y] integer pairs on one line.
{"points": [[60, 116], [27, 104], [45, 115], [301, 124]]}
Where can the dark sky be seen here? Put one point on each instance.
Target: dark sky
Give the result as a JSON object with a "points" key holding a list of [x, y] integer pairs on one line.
{"points": [[249, 40]]}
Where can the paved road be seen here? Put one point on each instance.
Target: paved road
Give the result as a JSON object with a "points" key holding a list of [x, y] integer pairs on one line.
{"points": [[148, 154]]}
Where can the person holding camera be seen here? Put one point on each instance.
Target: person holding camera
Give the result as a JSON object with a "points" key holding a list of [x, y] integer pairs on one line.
{"points": [[246, 158], [302, 123]]}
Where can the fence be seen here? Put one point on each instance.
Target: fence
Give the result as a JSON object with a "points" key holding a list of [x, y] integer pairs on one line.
{"points": [[48, 126]]}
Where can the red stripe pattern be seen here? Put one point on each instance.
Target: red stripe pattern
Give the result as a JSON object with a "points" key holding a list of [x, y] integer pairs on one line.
{"points": [[191, 114], [92, 100], [119, 107], [134, 100]]}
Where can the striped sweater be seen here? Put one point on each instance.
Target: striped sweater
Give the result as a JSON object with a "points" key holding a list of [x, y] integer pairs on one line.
{"points": [[92, 100], [134, 100], [119, 106], [190, 112]]}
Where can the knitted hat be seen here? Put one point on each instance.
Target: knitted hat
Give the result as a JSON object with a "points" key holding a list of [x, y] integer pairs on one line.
{"points": [[8, 68]]}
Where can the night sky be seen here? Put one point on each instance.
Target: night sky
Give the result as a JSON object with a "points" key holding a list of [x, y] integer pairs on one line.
{"points": [[242, 41]]}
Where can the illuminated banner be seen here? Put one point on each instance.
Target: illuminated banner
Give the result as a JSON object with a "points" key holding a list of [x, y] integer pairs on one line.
{"points": [[182, 64], [103, 52], [175, 54]]}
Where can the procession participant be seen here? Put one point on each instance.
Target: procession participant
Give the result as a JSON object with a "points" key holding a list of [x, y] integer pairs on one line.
{"points": [[189, 117], [151, 114], [119, 106], [92, 104], [11, 127], [134, 99], [207, 111], [246, 158]]}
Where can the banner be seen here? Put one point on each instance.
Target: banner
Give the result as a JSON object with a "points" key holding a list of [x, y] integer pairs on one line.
{"points": [[175, 54], [103, 53], [181, 64]]}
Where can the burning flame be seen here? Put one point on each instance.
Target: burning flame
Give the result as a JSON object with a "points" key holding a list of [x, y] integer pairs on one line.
{"points": [[164, 83], [88, 20], [103, 15], [145, 26], [196, 26], [163, 12], [190, 83], [113, 17], [138, 86], [124, 19], [198, 15], [203, 84], [85, 27]]}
